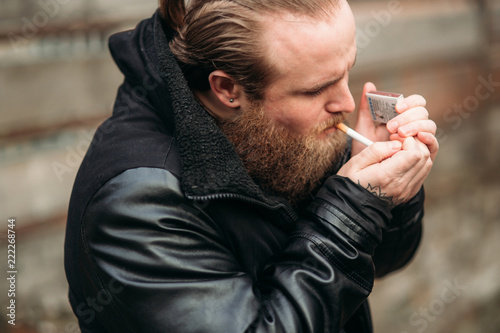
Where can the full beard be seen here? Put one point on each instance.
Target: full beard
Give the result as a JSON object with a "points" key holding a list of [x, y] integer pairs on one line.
{"points": [[280, 161]]}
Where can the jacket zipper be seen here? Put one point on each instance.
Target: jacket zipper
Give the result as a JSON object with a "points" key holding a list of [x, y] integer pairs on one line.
{"points": [[220, 196]]}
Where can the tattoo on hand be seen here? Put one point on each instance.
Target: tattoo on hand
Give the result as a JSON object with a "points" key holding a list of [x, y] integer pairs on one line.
{"points": [[377, 191]]}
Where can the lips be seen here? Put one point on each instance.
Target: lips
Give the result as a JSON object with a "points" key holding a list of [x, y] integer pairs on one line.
{"points": [[330, 124], [329, 130]]}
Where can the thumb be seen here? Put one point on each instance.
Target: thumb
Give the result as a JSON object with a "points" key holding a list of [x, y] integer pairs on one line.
{"points": [[364, 117], [364, 123], [377, 152]]}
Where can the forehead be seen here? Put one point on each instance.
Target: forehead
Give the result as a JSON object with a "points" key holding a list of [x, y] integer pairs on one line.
{"points": [[298, 46]]}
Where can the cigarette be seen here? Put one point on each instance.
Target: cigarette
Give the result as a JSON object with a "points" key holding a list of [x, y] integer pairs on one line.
{"points": [[353, 134]]}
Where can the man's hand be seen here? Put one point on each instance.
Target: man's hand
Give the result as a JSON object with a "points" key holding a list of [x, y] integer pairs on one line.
{"points": [[412, 121], [392, 170]]}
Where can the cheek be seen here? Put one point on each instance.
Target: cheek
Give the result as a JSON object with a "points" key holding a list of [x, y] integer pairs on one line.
{"points": [[296, 116], [302, 124]]}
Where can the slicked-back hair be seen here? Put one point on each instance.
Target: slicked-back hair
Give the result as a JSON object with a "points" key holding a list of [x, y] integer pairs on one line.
{"points": [[227, 35]]}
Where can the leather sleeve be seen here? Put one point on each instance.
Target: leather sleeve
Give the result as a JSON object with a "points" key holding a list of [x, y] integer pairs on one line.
{"points": [[398, 238], [155, 262], [402, 238]]}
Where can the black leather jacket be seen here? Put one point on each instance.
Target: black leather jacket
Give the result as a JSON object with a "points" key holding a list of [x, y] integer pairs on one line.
{"points": [[167, 232]]}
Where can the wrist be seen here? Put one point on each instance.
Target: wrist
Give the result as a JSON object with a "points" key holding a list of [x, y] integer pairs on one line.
{"points": [[353, 210]]}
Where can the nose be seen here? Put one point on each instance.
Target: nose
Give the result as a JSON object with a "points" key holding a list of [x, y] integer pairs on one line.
{"points": [[341, 99]]}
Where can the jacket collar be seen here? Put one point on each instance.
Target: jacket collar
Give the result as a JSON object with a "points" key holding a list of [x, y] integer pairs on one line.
{"points": [[210, 165]]}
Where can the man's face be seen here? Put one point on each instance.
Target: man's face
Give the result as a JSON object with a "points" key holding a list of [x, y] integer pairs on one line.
{"points": [[288, 141], [313, 58]]}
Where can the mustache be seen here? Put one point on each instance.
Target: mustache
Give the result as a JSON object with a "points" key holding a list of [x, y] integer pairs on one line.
{"points": [[336, 119]]}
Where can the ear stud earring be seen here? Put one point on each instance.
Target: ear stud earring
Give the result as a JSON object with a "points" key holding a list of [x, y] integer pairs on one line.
{"points": [[231, 100]]}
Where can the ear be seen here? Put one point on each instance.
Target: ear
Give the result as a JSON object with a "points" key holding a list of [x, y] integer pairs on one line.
{"points": [[225, 89]]}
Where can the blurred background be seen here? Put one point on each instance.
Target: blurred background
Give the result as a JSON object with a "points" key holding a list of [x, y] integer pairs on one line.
{"points": [[58, 83]]}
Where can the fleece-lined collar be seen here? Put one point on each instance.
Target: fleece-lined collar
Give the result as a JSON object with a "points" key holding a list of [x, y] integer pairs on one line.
{"points": [[210, 165]]}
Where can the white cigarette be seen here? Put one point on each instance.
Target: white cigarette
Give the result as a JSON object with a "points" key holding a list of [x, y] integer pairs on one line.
{"points": [[353, 134]]}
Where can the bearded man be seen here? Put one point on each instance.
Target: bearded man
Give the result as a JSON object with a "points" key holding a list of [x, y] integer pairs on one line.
{"points": [[220, 197]]}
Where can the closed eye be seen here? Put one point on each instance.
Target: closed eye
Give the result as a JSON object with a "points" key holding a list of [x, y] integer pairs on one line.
{"points": [[316, 92]]}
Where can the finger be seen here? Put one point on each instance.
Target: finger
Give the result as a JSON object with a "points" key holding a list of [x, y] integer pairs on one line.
{"points": [[416, 184], [402, 166], [422, 147], [411, 115], [409, 165], [377, 152], [368, 87], [364, 118], [431, 142], [413, 128], [410, 144], [423, 170], [418, 156], [410, 102], [364, 124], [410, 154], [397, 137]]}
